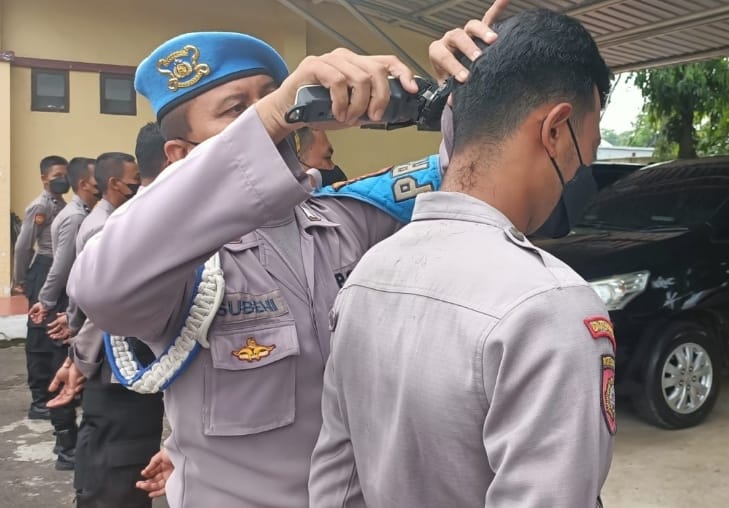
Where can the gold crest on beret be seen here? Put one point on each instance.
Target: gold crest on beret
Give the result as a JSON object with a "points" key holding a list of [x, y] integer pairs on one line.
{"points": [[183, 68]]}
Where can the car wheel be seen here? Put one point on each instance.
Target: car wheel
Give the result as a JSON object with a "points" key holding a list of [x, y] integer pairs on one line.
{"points": [[682, 374]]}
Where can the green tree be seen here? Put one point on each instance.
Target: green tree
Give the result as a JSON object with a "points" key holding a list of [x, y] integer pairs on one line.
{"points": [[610, 136], [688, 105], [644, 133], [627, 138]]}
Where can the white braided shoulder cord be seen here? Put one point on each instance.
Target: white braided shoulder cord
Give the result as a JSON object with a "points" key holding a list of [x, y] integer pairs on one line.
{"points": [[160, 373]]}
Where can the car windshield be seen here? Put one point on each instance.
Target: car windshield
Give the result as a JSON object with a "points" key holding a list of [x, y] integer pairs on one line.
{"points": [[658, 198]]}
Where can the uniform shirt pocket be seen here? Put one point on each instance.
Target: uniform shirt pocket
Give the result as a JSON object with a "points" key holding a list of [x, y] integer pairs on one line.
{"points": [[250, 387]]}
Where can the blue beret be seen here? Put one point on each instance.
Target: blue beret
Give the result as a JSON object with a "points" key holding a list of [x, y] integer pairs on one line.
{"points": [[190, 64]]}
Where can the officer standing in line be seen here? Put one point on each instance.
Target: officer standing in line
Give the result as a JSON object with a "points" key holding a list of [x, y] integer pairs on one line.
{"points": [[121, 430], [257, 389], [150, 152], [52, 296], [30, 269], [112, 414], [456, 340]]}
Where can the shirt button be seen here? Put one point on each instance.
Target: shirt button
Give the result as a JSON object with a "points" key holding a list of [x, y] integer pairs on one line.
{"points": [[518, 235]]}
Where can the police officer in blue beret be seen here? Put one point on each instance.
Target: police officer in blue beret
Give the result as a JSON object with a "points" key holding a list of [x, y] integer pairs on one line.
{"points": [[244, 409]]}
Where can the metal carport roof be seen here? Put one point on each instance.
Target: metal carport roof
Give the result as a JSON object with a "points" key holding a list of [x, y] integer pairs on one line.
{"points": [[632, 34]]}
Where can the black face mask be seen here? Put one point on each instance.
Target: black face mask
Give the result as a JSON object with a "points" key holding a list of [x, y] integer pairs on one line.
{"points": [[330, 176], [576, 194], [59, 185], [133, 188]]}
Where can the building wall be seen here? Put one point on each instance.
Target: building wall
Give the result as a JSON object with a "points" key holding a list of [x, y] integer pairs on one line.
{"points": [[122, 33], [5, 258]]}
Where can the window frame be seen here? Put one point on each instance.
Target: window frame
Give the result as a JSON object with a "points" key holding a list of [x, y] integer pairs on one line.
{"points": [[103, 102], [35, 98]]}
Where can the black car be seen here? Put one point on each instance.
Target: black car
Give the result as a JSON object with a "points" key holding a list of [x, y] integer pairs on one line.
{"points": [[607, 173], [655, 247]]}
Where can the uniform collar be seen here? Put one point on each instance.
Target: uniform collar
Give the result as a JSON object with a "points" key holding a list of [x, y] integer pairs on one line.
{"points": [[309, 217], [105, 205], [458, 206], [50, 196], [81, 204]]}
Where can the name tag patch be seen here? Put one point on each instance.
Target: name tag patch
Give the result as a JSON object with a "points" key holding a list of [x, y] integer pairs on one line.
{"points": [[242, 307]]}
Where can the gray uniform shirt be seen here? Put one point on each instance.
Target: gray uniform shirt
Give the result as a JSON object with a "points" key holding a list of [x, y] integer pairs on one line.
{"points": [[463, 372], [36, 229], [63, 236], [87, 345], [242, 430]]}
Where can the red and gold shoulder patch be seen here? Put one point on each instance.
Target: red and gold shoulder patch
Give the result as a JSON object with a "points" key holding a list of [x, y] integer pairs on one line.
{"points": [[253, 351], [39, 219], [607, 395], [601, 328]]}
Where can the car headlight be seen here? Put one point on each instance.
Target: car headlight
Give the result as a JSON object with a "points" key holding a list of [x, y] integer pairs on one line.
{"points": [[616, 291]]}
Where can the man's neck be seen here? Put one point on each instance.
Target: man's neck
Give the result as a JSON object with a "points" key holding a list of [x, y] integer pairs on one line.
{"points": [[116, 200], [88, 199], [493, 185]]}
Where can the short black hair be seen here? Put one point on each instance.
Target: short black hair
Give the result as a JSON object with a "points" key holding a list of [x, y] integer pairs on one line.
{"points": [[150, 150], [52, 160], [174, 125], [78, 169], [110, 165], [539, 56]]}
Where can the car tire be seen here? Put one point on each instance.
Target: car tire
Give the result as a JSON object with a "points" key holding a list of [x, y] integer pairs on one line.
{"points": [[681, 376]]}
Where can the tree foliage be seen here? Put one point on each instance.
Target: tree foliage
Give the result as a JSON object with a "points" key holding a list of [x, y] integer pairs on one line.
{"points": [[688, 107]]}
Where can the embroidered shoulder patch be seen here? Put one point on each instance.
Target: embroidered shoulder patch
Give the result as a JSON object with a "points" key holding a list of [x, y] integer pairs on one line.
{"points": [[601, 328], [39, 219], [607, 393], [393, 190], [253, 351]]}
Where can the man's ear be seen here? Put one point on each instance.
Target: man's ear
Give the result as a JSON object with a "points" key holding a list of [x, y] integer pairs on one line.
{"points": [[552, 126], [176, 149]]}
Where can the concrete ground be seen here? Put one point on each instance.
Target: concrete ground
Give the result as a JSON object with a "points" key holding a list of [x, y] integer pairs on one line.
{"points": [[652, 468], [27, 475]]}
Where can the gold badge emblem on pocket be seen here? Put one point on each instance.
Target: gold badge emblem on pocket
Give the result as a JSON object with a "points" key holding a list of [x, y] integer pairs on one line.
{"points": [[253, 351]]}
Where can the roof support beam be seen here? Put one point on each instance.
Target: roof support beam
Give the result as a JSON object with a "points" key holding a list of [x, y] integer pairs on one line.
{"points": [[398, 18], [321, 25], [674, 60], [433, 9], [591, 7], [382, 35], [663, 27]]}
